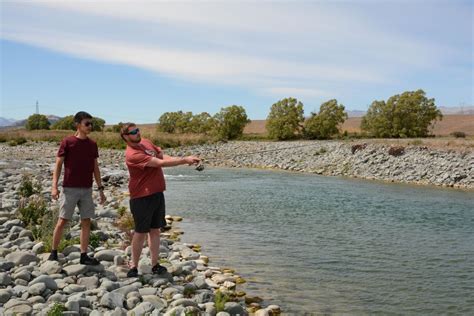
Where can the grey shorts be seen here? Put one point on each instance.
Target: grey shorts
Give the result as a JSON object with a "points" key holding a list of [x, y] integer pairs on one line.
{"points": [[82, 197]]}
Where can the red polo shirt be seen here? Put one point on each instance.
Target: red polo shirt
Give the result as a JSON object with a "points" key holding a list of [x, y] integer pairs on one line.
{"points": [[144, 180]]}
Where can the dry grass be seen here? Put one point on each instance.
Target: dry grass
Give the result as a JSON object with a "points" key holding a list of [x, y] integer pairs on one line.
{"points": [[105, 139], [449, 124]]}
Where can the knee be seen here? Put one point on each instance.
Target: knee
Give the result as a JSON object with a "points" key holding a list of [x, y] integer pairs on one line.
{"points": [[155, 232], [61, 223]]}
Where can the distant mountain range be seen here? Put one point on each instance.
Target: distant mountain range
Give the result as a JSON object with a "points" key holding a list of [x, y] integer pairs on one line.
{"points": [[4, 122]]}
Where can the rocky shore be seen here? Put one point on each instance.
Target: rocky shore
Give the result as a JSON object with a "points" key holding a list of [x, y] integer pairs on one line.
{"points": [[412, 164], [32, 285]]}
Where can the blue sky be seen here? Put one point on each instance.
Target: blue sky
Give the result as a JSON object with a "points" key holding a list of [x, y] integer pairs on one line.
{"points": [[134, 60]]}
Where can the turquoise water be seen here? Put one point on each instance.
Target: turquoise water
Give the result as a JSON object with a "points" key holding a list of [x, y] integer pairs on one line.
{"points": [[328, 245]]}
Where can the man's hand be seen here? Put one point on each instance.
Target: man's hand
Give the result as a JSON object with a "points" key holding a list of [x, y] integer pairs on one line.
{"points": [[192, 160], [103, 199], [54, 193]]}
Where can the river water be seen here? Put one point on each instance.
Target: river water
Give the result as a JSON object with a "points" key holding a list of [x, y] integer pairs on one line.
{"points": [[328, 245]]}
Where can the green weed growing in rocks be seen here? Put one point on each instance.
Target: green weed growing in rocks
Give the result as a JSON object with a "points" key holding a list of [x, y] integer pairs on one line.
{"points": [[28, 187], [57, 309], [94, 240], [220, 299], [32, 206], [126, 224]]}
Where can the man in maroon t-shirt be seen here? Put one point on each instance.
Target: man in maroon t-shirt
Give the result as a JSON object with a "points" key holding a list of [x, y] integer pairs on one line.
{"points": [[147, 183], [79, 154]]}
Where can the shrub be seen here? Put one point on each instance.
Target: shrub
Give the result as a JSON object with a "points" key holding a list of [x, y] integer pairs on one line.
{"points": [[27, 187], [458, 134], [357, 147], [31, 210], [94, 240], [220, 299], [37, 121], [57, 309], [396, 151], [126, 224]]}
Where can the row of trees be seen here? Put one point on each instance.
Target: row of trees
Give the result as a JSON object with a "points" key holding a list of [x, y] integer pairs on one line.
{"points": [[409, 114], [40, 121], [286, 120], [229, 123]]}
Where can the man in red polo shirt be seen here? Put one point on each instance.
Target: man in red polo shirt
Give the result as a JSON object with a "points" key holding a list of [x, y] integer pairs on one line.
{"points": [[147, 184]]}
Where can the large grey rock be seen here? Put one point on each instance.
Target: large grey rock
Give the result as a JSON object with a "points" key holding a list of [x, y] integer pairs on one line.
{"points": [[157, 302], [74, 288], [112, 300], [184, 302], [75, 269], [5, 295], [5, 279], [47, 280], [235, 309], [23, 274], [22, 257], [50, 267], [189, 254], [107, 255], [6, 265], [37, 289], [22, 309], [89, 282], [142, 309]]}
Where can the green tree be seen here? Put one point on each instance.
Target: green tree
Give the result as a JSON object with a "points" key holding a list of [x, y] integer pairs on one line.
{"points": [[37, 121], [97, 124], [409, 114], [66, 123], [202, 123], [183, 124], [230, 122], [325, 124], [167, 122], [117, 127], [285, 119]]}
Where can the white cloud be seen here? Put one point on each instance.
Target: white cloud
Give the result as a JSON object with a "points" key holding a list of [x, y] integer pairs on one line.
{"points": [[272, 48]]}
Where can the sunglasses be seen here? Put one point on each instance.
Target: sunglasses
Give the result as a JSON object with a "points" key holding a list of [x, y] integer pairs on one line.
{"points": [[88, 124], [133, 132]]}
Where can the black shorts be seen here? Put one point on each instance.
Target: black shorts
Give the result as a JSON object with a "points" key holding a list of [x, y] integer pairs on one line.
{"points": [[148, 212]]}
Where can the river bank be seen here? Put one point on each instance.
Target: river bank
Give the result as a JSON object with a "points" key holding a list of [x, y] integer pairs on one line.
{"points": [[366, 160], [32, 285]]}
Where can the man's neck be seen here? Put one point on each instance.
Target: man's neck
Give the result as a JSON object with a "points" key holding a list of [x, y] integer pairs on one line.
{"points": [[81, 135]]}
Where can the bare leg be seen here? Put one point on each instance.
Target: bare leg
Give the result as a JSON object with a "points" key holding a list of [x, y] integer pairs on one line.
{"points": [[137, 246], [58, 232], [85, 233], [154, 244]]}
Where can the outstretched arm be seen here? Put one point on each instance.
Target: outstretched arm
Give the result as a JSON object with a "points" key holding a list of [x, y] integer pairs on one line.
{"points": [[169, 161]]}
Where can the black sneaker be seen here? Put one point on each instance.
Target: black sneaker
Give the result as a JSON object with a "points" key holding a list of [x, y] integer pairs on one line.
{"points": [[53, 256], [89, 261], [158, 269], [132, 273]]}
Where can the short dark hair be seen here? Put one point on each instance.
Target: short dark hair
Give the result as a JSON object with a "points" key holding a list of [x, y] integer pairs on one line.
{"points": [[125, 127], [80, 116]]}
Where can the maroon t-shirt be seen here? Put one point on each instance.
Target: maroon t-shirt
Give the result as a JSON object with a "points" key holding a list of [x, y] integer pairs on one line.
{"points": [[79, 156]]}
